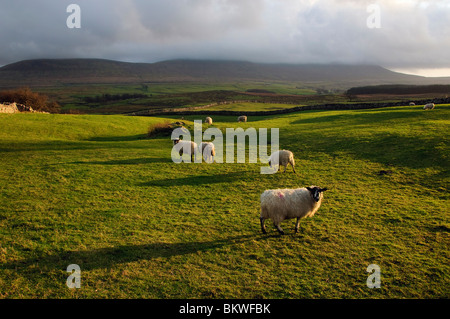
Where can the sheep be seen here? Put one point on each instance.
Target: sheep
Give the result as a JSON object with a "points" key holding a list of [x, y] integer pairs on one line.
{"points": [[208, 120], [283, 157], [191, 148], [412, 104], [242, 118], [210, 151], [281, 204], [429, 106]]}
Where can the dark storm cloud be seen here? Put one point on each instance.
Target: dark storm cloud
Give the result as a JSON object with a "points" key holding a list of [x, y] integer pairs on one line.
{"points": [[413, 33]]}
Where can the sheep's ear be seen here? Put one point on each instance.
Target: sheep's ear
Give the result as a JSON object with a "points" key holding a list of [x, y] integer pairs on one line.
{"points": [[323, 189], [309, 188]]}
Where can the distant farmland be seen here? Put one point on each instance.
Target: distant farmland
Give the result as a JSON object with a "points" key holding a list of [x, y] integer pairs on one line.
{"points": [[400, 89]]}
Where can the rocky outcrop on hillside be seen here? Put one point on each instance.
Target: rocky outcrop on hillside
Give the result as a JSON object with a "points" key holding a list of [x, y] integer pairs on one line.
{"points": [[9, 108], [16, 108]]}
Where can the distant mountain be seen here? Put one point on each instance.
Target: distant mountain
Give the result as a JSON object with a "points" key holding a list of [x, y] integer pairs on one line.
{"points": [[75, 71]]}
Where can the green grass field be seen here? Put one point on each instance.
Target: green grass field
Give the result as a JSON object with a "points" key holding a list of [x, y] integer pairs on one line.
{"points": [[92, 190], [71, 97], [249, 107]]}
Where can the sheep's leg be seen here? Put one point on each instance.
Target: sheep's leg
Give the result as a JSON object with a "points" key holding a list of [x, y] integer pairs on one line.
{"points": [[297, 225], [280, 230], [263, 227], [285, 166], [293, 168]]}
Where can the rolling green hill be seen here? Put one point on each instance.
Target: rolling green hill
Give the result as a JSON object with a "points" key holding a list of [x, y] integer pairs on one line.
{"points": [[92, 190], [69, 71]]}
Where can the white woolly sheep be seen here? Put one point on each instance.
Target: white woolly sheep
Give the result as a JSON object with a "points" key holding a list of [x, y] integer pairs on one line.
{"points": [[412, 104], [208, 150], [282, 158], [281, 204], [208, 120], [429, 106], [191, 148], [242, 118]]}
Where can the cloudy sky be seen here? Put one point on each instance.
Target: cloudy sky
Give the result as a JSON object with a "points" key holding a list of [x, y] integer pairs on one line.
{"points": [[405, 35]]}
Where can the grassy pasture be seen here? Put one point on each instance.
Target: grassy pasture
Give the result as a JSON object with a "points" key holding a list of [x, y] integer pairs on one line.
{"points": [[159, 94], [84, 99], [92, 190], [249, 107]]}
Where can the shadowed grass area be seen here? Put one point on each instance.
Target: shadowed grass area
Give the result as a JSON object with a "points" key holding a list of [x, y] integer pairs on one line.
{"points": [[93, 191]]}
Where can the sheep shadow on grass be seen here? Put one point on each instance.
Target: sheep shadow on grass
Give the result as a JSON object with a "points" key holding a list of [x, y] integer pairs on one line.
{"points": [[195, 180], [127, 138], [129, 161], [101, 258]]}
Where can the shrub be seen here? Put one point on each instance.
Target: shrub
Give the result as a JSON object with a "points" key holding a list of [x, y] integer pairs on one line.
{"points": [[164, 128], [37, 101]]}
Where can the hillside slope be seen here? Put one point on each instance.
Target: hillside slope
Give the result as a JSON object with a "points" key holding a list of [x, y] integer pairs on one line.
{"points": [[93, 191], [66, 71]]}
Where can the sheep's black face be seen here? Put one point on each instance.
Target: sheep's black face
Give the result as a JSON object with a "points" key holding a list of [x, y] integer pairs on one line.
{"points": [[315, 192]]}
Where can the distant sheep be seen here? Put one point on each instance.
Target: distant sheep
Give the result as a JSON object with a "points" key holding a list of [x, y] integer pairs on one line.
{"points": [[208, 151], [191, 148], [412, 104], [281, 204], [429, 106], [282, 158], [242, 118], [208, 120]]}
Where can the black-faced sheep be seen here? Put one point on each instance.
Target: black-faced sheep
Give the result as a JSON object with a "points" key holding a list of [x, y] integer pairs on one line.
{"points": [[281, 204]]}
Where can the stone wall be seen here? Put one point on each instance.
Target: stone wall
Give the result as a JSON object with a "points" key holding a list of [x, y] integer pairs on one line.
{"points": [[341, 106]]}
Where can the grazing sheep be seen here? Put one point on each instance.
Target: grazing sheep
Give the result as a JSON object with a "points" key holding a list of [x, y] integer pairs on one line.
{"points": [[208, 120], [412, 104], [210, 152], [242, 118], [283, 157], [429, 106], [190, 146], [281, 204]]}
